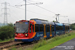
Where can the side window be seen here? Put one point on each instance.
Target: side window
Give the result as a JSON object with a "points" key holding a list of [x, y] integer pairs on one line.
{"points": [[57, 28], [52, 27], [68, 27], [36, 28], [48, 28], [33, 28], [61, 27], [30, 29], [65, 27], [41, 28]]}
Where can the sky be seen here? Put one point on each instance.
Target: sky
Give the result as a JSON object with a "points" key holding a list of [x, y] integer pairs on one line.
{"points": [[66, 9]]}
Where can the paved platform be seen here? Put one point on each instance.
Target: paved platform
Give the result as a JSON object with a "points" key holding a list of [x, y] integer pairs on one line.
{"points": [[69, 45]]}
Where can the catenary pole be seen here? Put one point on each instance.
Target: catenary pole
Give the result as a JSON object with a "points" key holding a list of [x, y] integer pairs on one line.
{"points": [[25, 10]]}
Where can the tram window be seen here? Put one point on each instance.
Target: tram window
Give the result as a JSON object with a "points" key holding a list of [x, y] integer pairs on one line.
{"points": [[36, 28], [52, 28], [48, 28], [33, 28], [41, 27], [66, 28], [59, 27], [30, 29]]}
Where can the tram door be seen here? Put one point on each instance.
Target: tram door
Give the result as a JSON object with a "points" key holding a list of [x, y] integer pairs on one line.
{"points": [[45, 31]]}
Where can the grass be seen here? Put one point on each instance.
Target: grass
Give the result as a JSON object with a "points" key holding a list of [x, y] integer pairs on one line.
{"points": [[13, 48], [6, 40]]}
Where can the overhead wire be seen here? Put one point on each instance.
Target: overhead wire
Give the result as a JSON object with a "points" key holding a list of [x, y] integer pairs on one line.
{"points": [[43, 8], [19, 2], [13, 15], [30, 11], [12, 18]]}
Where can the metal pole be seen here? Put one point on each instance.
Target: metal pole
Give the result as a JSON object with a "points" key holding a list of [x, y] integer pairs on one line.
{"points": [[56, 18], [57, 15], [5, 14], [68, 21], [25, 9]]}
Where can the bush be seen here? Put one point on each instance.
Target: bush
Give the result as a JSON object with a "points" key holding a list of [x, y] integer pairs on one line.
{"points": [[72, 26], [6, 32]]}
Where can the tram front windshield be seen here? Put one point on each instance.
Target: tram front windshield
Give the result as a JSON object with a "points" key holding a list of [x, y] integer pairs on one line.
{"points": [[22, 27]]}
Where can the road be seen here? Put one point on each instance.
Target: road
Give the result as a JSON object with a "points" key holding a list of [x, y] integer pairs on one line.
{"points": [[69, 45]]}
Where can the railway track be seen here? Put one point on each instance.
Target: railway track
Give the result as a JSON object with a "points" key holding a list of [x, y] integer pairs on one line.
{"points": [[23, 46], [8, 44]]}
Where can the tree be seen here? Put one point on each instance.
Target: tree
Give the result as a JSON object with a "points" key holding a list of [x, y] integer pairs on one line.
{"points": [[72, 26], [10, 24], [6, 31]]}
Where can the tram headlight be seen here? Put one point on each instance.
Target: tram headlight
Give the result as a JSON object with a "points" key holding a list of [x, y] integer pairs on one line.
{"points": [[26, 34], [15, 34]]}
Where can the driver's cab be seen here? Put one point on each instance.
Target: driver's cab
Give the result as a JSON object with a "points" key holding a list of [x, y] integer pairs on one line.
{"points": [[24, 29]]}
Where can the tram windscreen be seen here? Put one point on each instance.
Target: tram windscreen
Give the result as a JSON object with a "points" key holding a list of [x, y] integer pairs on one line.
{"points": [[22, 27]]}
